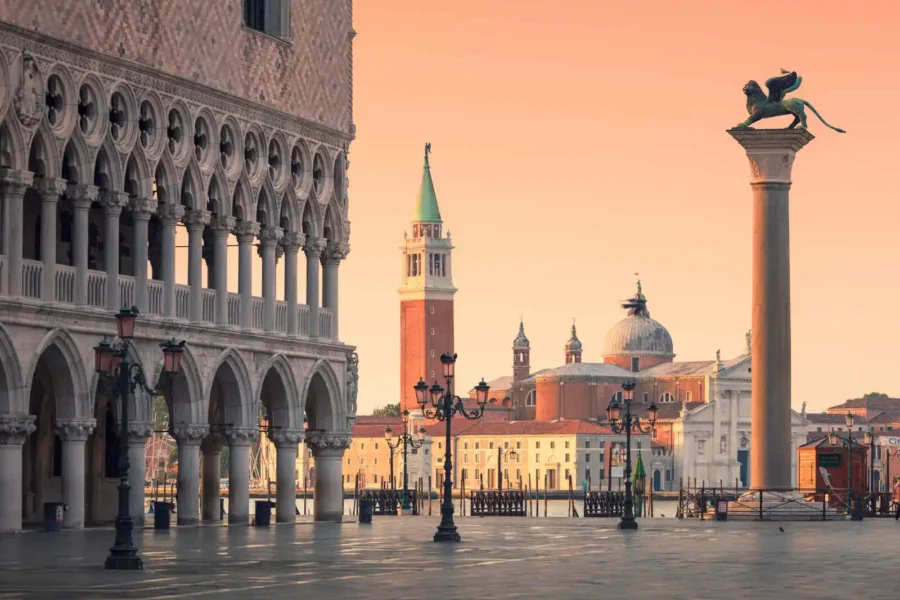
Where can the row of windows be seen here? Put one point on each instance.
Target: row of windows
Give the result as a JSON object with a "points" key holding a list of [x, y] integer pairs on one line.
{"points": [[436, 265], [427, 230], [531, 397]]}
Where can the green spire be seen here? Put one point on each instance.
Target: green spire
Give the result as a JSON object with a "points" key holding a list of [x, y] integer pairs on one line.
{"points": [[639, 469], [427, 206]]}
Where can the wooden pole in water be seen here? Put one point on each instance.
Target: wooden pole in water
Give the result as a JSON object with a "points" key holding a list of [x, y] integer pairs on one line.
{"points": [[429, 495], [545, 493], [528, 495], [571, 506]]}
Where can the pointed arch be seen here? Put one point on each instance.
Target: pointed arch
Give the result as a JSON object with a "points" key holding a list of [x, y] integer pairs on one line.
{"points": [[321, 398], [217, 194], [333, 225], [12, 401], [289, 212], [266, 211], [138, 182], [167, 190], [242, 200], [66, 367], [107, 170], [192, 194], [12, 146], [285, 412], [43, 156], [184, 392], [233, 377], [77, 166], [311, 223]]}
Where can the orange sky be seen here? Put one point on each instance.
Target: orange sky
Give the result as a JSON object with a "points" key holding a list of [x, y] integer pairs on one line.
{"points": [[576, 142]]}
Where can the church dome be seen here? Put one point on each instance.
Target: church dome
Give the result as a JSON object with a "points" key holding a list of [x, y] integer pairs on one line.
{"points": [[638, 334], [574, 344]]}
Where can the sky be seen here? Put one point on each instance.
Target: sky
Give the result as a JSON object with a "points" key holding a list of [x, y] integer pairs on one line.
{"points": [[577, 142]]}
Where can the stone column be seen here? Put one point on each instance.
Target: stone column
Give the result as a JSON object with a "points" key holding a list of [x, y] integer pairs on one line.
{"points": [[239, 441], [246, 232], [189, 438], [313, 250], [50, 190], [221, 229], [292, 242], [138, 433], [169, 215], [269, 238], [113, 203], [82, 196], [331, 261], [141, 209], [74, 434], [196, 221], [14, 430], [328, 450], [771, 153], [13, 185], [211, 462], [285, 441]]}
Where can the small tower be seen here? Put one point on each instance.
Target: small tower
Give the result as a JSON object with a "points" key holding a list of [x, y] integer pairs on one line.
{"points": [[521, 351], [573, 347], [426, 295]]}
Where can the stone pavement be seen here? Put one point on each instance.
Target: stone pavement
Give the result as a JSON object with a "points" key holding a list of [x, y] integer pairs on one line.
{"points": [[499, 558]]}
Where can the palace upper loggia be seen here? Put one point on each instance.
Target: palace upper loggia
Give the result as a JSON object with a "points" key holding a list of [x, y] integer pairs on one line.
{"points": [[184, 158]]}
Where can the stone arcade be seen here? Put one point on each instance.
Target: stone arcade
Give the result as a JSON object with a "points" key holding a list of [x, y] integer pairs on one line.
{"points": [[111, 144]]}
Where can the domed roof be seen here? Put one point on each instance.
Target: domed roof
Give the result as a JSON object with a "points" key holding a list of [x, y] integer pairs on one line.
{"points": [[521, 342], [638, 334], [574, 344]]}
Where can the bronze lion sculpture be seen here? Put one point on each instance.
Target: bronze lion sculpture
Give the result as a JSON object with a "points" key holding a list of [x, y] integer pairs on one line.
{"points": [[775, 104]]}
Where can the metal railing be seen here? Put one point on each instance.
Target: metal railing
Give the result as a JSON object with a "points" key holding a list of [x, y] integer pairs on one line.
{"points": [[487, 503], [604, 504], [388, 502]]}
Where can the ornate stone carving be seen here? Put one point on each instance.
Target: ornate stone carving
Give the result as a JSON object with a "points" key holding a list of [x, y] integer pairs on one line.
{"points": [[241, 437], [246, 231], [771, 151], [314, 246], [50, 187], [222, 225], [113, 202], [29, 99], [76, 431], [82, 195], [270, 236], [328, 441], [139, 432], [352, 381], [286, 437], [15, 183], [170, 212], [191, 435], [214, 443], [15, 429], [196, 219], [143, 207], [292, 241], [335, 252]]}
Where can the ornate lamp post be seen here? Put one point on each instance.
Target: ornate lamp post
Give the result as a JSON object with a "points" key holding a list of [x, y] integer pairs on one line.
{"points": [[847, 442], [628, 423], [113, 362], [406, 440], [869, 440], [444, 406], [500, 454]]}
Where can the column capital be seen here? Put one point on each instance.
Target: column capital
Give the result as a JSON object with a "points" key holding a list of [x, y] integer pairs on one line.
{"points": [[771, 151], [15, 181], [286, 438], [142, 208], [222, 226], [196, 220], [314, 246], [15, 429], [113, 202], [325, 443], [270, 236], [75, 431], [238, 436], [214, 443], [50, 188], [292, 241], [169, 213], [139, 432], [335, 252], [82, 196], [246, 231], [190, 435]]}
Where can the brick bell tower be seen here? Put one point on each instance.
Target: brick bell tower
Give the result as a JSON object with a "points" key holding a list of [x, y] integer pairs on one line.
{"points": [[426, 295]]}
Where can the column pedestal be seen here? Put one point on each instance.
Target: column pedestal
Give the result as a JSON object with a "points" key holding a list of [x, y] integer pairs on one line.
{"points": [[285, 473], [211, 463], [189, 438], [14, 430], [73, 435], [328, 450], [138, 433], [239, 441], [771, 153]]}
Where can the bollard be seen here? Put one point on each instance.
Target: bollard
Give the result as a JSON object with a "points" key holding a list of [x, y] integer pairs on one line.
{"points": [[263, 513], [162, 515], [366, 506]]}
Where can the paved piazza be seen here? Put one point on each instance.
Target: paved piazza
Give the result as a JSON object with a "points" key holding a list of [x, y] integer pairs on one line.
{"points": [[510, 558]]}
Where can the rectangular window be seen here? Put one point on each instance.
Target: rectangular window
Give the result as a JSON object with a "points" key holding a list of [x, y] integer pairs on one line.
{"points": [[413, 450], [465, 458], [477, 456], [376, 445], [687, 396], [268, 16], [568, 475], [646, 397], [537, 458], [505, 445], [587, 457], [518, 445], [362, 446], [567, 458], [477, 445], [376, 460], [374, 478], [490, 445], [567, 444], [465, 445], [552, 445], [537, 445], [477, 475], [426, 451], [587, 443], [635, 364], [587, 474]]}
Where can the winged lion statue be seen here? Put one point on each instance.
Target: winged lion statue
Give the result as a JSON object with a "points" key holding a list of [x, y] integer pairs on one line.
{"points": [[775, 104]]}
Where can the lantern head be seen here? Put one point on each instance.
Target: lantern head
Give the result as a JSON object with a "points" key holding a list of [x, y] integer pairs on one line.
{"points": [[421, 389], [125, 319], [481, 392], [448, 361]]}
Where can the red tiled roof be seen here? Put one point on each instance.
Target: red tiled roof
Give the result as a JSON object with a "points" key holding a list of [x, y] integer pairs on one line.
{"points": [[457, 426], [376, 420], [871, 403], [833, 419]]}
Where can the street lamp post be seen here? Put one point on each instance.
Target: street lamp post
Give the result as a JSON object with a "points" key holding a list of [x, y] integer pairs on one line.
{"points": [[628, 423], [869, 440], [444, 406], [500, 453], [406, 440], [836, 440], [113, 362]]}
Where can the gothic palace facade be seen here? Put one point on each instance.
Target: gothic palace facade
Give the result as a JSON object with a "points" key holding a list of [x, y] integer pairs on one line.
{"points": [[137, 140]]}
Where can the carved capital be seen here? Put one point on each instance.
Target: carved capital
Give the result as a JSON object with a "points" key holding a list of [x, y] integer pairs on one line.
{"points": [[241, 437], [292, 241], [246, 231], [314, 247], [170, 213], [222, 226], [50, 188], [15, 183], [190, 435], [75, 431], [139, 432], [214, 443], [286, 438], [82, 196], [325, 443], [771, 151], [334, 253], [270, 236], [113, 202], [196, 220], [15, 429], [142, 208]]}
